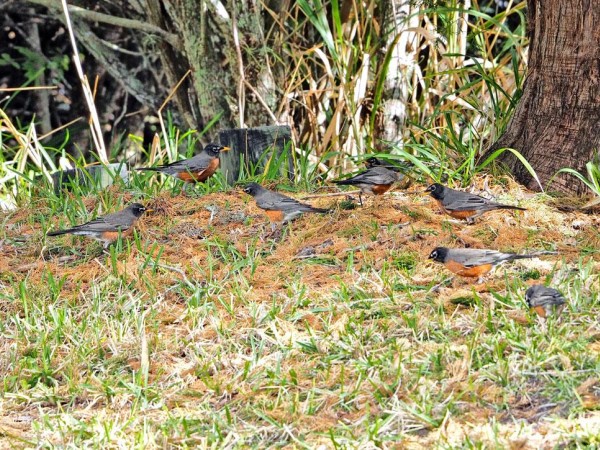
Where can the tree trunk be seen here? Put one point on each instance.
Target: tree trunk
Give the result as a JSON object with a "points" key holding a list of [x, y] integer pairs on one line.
{"points": [[556, 121], [175, 67], [221, 42], [203, 42]]}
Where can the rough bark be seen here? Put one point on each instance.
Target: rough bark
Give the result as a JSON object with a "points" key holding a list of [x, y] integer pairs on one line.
{"points": [[221, 42], [175, 68], [202, 26], [556, 121], [42, 105]]}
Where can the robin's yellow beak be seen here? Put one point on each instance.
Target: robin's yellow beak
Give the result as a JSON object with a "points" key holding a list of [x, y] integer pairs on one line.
{"points": [[225, 149], [149, 210]]}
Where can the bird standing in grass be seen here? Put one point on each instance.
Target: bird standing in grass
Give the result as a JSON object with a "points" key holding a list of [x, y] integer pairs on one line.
{"points": [[462, 205], [196, 169], [278, 207], [544, 301], [474, 262], [376, 180], [108, 228]]}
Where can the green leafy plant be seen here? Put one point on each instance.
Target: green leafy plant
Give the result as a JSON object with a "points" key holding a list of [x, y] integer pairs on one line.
{"points": [[592, 180]]}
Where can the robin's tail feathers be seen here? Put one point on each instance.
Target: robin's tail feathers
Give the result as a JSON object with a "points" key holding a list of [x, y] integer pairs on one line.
{"points": [[348, 182], [149, 169], [59, 232], [512, 257], [318, 210], [509, 207]]}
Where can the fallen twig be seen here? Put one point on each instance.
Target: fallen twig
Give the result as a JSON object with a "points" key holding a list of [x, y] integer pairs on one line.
{"points": [[331, 194]]}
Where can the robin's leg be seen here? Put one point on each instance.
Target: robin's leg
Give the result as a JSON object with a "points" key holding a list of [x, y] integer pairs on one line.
{"points": [[276, 231], [471, 220], [105, 250], [186, 189]]}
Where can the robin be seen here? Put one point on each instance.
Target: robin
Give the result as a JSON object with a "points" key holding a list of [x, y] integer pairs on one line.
{"points": [[544, 300], [278, 207], [108, 228], [196, 169], [462, 205], [402, 168], [376, 180], [473, 262]]}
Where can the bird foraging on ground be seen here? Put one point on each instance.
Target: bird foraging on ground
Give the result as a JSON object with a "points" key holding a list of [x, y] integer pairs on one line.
{"points": [[279, 208], [376, 180], [462, 205], [196, 169], [474, 262], [545, 301], [108, 228]]}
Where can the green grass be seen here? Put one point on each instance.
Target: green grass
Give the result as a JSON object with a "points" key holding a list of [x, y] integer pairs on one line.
{"points": [[228, 340]]}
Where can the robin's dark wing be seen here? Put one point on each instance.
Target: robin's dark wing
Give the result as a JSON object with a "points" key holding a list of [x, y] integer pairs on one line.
{"points": [[118, 221], [476, 257], [547, 297], [377, 175], [462, 201], [278, 202], [195, 164], [98, 225]]}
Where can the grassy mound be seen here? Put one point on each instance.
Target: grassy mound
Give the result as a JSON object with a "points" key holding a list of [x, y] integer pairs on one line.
{"points": [[204, 329]]}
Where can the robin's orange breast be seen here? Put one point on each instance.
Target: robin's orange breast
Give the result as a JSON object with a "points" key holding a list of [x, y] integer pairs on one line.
{"points": [[201, 175], [275, 215], [114, 235], [380, 189], [463, 214], [475, 272], [540, 310]]}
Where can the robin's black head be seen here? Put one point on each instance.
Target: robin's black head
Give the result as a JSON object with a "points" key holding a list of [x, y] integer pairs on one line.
{"points": [[252, 189], [529, 295], [372, 162], [215, 149], [436, 190], [439, 254], [532, 292], [137, 209]]}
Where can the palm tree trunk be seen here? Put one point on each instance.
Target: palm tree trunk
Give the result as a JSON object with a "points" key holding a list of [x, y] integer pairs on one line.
{"points": [[556, 121]]}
